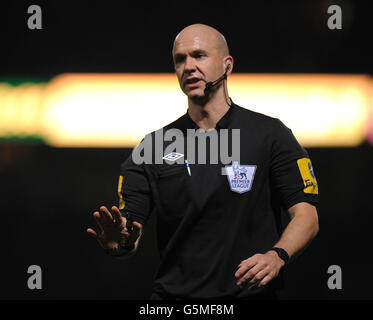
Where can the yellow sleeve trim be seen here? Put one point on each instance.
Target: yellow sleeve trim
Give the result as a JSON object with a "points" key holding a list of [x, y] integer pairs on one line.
{"points": [[121, 201], [308, 176]]}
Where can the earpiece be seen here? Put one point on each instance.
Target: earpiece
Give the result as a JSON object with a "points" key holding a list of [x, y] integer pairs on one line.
{"points": [[227, 65], [214, 83]]}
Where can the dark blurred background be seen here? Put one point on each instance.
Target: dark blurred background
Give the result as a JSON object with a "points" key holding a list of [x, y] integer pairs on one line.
{"points": [[48, 195]]}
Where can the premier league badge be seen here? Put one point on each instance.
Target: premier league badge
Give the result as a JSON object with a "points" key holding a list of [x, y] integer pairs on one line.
{"points": [[240, 177]]}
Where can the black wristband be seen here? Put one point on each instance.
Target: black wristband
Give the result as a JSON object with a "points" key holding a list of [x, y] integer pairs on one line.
{"points": [[281, 253]]}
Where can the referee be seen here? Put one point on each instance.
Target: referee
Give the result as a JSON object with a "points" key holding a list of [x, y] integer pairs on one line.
{"points": [[219, 229]]}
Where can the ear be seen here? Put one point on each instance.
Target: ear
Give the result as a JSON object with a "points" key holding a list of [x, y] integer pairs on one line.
{"points": [[229, 64]]}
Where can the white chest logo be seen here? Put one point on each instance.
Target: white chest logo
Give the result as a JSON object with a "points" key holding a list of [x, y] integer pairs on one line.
{"points": [[173, 156], [240, 177]]}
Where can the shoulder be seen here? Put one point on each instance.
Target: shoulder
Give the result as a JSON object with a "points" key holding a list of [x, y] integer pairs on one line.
{"points": [[179, 123], [268, 130], [257, 120]]}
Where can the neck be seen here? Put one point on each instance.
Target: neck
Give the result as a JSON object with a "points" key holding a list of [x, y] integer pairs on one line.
{"points": [[207, 113]]}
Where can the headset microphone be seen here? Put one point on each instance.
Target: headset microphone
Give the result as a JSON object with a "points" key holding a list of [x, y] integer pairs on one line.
{"points": [[210, 84]]}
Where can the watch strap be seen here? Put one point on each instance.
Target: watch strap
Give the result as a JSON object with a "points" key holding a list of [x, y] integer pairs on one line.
{"points": [[281, 253]]}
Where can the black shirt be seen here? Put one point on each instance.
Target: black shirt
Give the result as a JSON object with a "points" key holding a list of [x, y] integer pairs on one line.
{"points": [[208, 222]]}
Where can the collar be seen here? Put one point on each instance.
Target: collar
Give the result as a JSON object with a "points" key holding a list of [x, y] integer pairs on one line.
{"points": [[223, 123]]}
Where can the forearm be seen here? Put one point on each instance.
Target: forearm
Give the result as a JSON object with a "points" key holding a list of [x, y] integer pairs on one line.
{"points": [[300, 231], [259, 269]]}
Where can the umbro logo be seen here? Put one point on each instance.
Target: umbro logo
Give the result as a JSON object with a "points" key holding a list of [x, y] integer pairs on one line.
{"points": [[173, 156]]}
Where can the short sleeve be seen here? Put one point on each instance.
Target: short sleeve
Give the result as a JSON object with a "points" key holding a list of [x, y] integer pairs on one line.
{"points": [[134, 192], [292, 175]]}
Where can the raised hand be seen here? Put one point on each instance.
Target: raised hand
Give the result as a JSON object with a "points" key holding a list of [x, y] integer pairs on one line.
{"points": [[113, 235]]}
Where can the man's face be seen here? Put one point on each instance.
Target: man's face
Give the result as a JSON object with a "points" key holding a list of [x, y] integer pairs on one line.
{"points": [[196, 61]]}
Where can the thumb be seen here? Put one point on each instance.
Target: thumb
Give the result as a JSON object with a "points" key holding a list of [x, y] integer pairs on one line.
{"points": [[135, 232]]}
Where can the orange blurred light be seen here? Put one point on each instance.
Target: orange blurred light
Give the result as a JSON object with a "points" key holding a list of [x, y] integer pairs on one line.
{"points": [[117, 110]]}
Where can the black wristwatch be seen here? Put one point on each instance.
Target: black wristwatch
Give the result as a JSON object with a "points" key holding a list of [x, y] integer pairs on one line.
{"points": [[281, 253]]}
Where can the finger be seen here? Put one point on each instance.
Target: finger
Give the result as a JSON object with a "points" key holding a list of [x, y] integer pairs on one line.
{"points": [[92, 233], [246, 277], [106, 215], [129, 225], [117, 215], [135, 233], [249, 262], [265, 280], [258, 277], [98, 219], [257, 284], [244, 267]]}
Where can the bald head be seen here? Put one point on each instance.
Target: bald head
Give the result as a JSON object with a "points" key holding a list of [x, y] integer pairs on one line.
{"points": [[202, 33], [200, 55]]}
